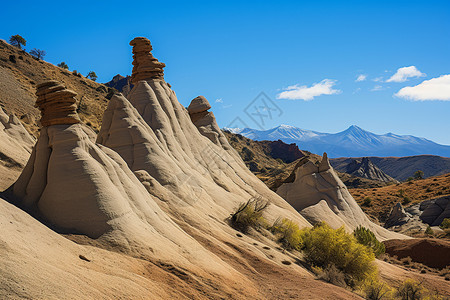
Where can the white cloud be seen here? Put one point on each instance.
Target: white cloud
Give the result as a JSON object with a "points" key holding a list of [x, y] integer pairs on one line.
{"points": [[403, 74], [361, 77], [377, 88], [296, 92], [433, 89], [219, 100], [356, 90], [378, 79]]}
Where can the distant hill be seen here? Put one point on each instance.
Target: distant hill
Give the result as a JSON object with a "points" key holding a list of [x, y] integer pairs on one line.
{"points": [[366, 169], [273, 162], [121, 83], [400, 168], [352, 142]]}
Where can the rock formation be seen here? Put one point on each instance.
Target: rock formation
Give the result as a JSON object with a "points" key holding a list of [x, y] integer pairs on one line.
{"points": [[418, 216], [56, 103], [397, 217], [366, 169], [145, 66], [319, 195], [205, 121], [15, 148], [77, 186], [286, 152], [435, 210]]}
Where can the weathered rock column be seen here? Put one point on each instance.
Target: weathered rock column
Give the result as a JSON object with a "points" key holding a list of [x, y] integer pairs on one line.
{"points": [[145, 66], [56, 103]]}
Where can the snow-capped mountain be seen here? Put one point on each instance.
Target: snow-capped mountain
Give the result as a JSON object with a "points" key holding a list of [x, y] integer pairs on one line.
{"points": [[352, 142]]}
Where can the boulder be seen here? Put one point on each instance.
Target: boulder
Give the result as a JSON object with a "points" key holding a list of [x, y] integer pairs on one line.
{"points": [[397, 216], [198, 104]]}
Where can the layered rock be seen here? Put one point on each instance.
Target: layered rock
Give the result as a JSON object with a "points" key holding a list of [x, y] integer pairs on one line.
{"points": [[77, 186], [56, 103], [145, 66], [319, 195]]}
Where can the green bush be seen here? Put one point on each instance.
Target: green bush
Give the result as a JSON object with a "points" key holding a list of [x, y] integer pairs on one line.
{"points": [[410, 290], [250, 214], [445, 224], [376, 290], [367, 202], [367, 238], [289, 234], [429, 231], [418, 175], [324, 246]]}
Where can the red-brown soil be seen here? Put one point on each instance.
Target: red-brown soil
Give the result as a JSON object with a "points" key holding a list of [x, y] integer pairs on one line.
{"points": [[430, 252]]}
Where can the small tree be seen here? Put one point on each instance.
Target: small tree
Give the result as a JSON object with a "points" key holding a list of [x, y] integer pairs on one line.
{"points": [[418, 174], [38, 53], [63, 65], [367, 238], [91, 75], [429, 231], [410, 290], [18, 41]]}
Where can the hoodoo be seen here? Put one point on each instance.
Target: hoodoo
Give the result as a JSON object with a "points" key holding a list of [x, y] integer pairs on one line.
{"points": [[319, 195], [56, 103], [145, 66]]}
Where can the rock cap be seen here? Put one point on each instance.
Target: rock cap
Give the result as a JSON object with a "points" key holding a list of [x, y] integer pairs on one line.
{"points": [[56, 103], [145, 66], [198, 104]]}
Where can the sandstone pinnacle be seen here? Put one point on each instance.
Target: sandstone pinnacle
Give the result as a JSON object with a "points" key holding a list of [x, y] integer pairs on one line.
{"points": [[56, 103], [145, 66]]}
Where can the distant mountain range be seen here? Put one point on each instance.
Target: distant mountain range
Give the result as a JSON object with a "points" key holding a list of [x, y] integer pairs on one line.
{"points": [[352, 142]]}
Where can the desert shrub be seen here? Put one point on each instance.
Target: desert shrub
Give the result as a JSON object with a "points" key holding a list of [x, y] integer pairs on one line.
{"points": [[367, 238], [63, 65], [367, 202], [289, 234], [250, 214], [445, 224], [332, 275], [376, 290], [406, 200], [38, 53], [418, 175], [410, 290], [91, 75], [429, 231], [324, 246], [406, 260]]}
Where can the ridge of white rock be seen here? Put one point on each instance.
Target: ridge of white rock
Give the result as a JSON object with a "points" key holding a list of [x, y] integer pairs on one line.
{"points": [[77, 186], [319, 195], [15, 148], [196, 178]]}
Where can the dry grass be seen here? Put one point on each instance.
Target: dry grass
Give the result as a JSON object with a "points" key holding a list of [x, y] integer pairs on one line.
{"points": [[384, 198]]}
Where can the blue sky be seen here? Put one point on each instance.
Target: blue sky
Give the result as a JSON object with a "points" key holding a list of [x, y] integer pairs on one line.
{"points": [[232, 51]]}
